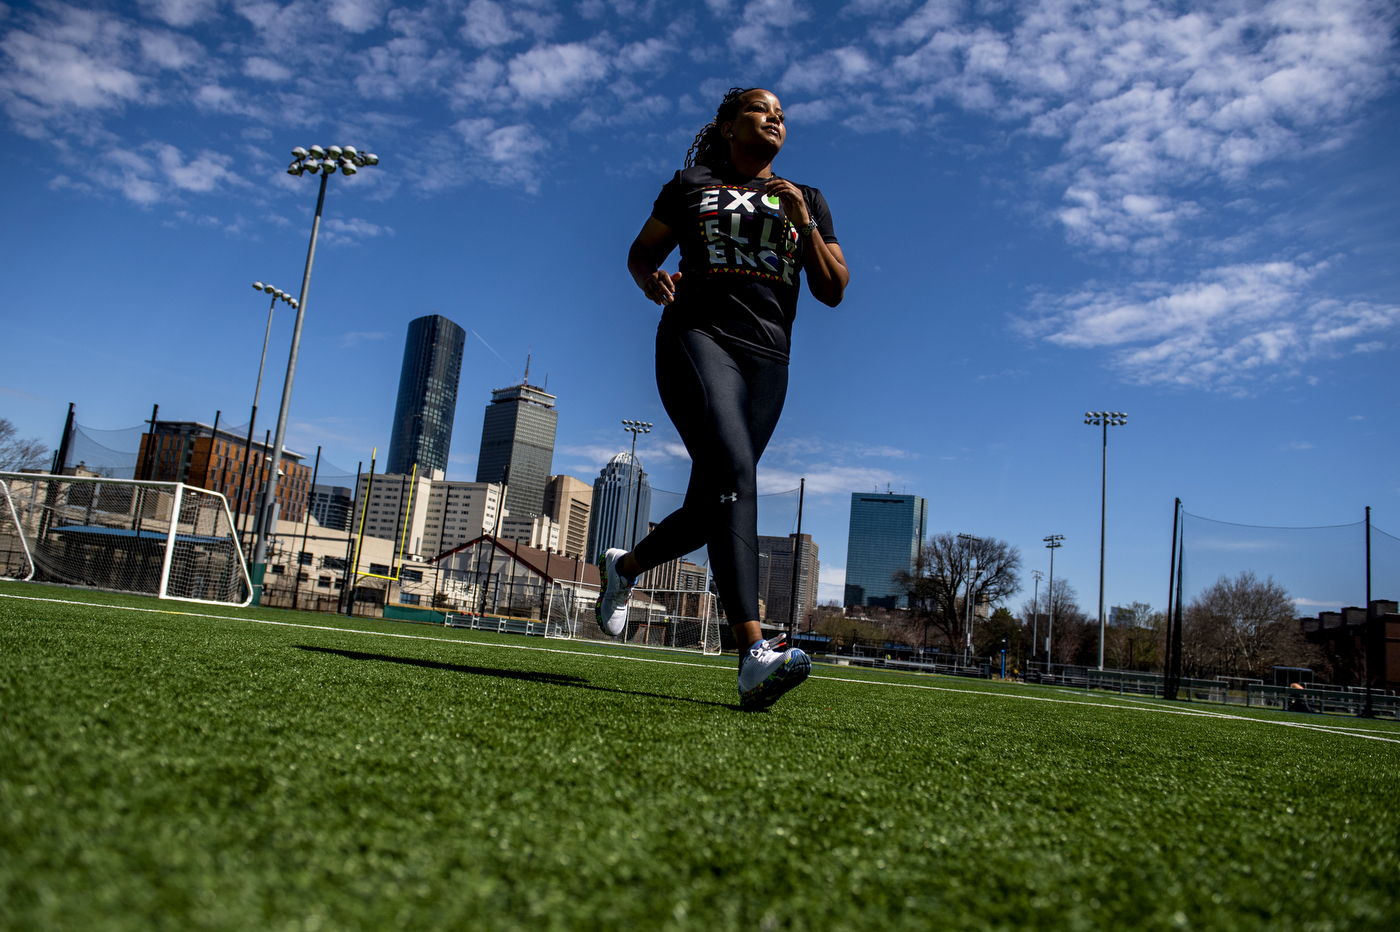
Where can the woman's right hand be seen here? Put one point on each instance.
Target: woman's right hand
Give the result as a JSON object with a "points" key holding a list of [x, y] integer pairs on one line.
{"points": [[660, 286], [649, 250]]}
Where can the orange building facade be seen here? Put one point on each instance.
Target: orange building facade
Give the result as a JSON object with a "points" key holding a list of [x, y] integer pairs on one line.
{"points": [[193, 453]]}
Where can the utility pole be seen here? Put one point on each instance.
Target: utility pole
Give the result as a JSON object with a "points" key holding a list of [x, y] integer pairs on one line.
{"points": [[797, 555]]}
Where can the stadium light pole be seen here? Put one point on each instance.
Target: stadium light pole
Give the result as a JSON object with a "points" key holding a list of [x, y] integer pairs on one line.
{"points": [[1107, 419], [1052, 543], [634, 428], [971, 556], [1035, 608], [325, 162], [277, 295]]}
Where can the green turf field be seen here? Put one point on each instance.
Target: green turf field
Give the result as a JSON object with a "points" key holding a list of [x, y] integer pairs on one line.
{"points": [[173, 771]]}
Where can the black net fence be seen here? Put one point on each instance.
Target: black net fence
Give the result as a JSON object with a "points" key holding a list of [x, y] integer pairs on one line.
{"points": [[1322, 568]]}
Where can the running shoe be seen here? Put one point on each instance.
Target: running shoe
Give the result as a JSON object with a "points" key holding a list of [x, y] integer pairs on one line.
{"points": [[611, 608], [767, 671]]}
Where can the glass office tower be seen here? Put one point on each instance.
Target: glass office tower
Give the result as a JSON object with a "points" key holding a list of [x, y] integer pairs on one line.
{"points": [[432, 365], [518, 432], [621, 506], [886, 531]]}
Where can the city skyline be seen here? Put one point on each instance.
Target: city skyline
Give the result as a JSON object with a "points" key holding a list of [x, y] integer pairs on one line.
{"points": [[1186, 214]]}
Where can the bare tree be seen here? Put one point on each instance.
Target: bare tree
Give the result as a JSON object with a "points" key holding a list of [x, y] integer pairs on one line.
{"points": [[1070, 632], [946, 566], [1242, 627], [1132, 642], [18, 454]]}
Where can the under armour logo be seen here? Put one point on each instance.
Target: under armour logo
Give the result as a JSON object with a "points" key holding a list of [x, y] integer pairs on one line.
{"points": [[731, 497]]}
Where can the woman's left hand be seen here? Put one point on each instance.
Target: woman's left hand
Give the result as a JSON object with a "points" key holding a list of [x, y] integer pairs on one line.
{"points": [[794, 204]]}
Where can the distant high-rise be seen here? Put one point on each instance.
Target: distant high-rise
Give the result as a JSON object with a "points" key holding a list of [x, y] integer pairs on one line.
{"points": [[886, 532], [518, 432], [621, 506], [432, 365], [568, 501], [775, 578], [331, 505]]}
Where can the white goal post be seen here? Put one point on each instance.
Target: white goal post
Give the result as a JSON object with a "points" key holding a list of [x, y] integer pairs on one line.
{"points": [[166, 539], [674, 619]]}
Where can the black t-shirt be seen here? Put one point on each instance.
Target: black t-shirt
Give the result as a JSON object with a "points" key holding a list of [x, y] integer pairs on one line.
{"points": [[741, 258]]}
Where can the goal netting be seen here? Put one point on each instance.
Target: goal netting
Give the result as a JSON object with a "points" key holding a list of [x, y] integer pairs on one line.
{"points": [[676, 619], [165, 539]]}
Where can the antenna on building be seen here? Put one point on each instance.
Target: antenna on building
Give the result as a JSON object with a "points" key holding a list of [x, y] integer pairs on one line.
{"points": [[526, 380]]}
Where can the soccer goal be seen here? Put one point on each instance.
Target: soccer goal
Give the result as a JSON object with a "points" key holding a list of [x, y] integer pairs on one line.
{"points": [[165, 539], [675, 619]]}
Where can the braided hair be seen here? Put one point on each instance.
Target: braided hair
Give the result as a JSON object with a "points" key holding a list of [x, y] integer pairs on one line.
{"points": [[709, 147]]}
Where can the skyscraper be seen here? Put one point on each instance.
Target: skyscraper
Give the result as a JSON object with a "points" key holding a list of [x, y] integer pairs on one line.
{"points": [[886, 532], [568, 501], [432, 365], [518, 431], [621, 506], [775, 578]]}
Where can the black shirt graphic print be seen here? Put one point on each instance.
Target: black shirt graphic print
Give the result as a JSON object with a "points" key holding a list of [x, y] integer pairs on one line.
{"points": [[741, 258]]}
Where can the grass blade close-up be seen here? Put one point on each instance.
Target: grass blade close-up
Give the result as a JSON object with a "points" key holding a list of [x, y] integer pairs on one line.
{"points": [[260, 769]]}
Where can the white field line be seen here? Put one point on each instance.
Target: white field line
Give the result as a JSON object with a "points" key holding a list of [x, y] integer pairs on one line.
{"points": [[1203, 713]]}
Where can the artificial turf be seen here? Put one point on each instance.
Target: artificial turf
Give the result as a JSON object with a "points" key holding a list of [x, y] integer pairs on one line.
{"points": [[173, 771]]}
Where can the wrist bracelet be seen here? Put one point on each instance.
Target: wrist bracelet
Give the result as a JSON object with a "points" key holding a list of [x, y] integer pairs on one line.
{"points": [[806, 228]]}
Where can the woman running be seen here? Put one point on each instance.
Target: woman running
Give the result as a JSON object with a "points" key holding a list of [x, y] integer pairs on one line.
{"points": [[745, 235]]}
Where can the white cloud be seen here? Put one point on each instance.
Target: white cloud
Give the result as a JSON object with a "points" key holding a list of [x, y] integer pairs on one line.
{"points": [[179, 12], [358, 227], [1143, 99], [356, 15], [265, 69], [503, 154], [205, 172], [159, 171], [548, 73], [831, 583], [825, 478], [1374, 346], [1232, 325], [76, 60], [169, 50], [347, 340], [763, 21], [650, 55], [404, 65], [487, 25]]}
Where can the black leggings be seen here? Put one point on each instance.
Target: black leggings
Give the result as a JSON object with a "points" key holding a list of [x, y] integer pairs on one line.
{"points": [[725, 405]]}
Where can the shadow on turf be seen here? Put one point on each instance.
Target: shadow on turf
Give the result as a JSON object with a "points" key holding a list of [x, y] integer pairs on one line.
{"points": [[554, 679]]}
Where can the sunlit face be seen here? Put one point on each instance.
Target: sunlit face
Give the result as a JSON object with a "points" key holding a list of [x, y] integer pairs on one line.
{"points": [[759, 122]]}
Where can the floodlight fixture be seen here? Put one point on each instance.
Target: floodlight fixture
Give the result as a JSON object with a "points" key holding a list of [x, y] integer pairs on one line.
{"points": [[299, 153], [333, 151], [317, 152]]}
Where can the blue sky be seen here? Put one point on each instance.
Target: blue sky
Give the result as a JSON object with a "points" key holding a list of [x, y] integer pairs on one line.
{"points": [[1183, 211]]}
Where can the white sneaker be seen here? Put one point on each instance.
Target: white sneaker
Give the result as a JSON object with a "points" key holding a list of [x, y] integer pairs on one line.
{"points": [[610, 610], [767, 671]]}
